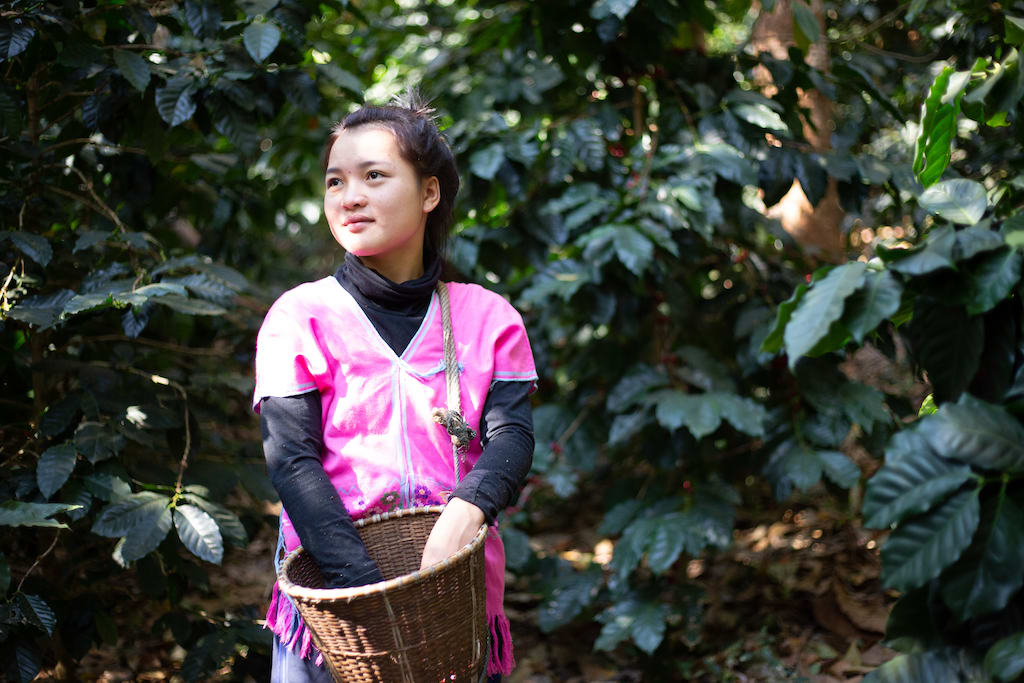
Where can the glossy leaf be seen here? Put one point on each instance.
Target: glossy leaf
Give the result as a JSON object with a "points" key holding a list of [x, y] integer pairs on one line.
{"points": [[17, 513], [174, 100], [568, 597], [96, 442], [838, 467], [261, 39], [37, 612], [230, 526], [959, 200], [486, 162], [977, 433], [992, 570], [938, 125], [108, 487], [992, 280], [773, 342], [619, 8], [932, 666], [118, 519], [821, 306], [873, 303], [199, 533], [1005, 660], [151, 524], [26, 663], [54, 467], [36, 247], [910, 485], [135, 70], [935, 254], [948, 345], [921, 547], [974, 240]]}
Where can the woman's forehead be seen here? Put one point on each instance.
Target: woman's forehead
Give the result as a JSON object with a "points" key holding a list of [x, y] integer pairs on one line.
{"points": [[355, 145]]}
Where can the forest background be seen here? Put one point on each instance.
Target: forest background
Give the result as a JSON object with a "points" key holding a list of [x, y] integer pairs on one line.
{"points": [[769, 256]]}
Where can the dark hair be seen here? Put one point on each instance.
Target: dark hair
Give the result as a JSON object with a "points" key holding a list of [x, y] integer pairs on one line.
{"points": [[420, 142]]}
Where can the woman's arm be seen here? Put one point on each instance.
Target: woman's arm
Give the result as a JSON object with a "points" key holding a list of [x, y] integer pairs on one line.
{"points": [[493, 484], [292, 441]]}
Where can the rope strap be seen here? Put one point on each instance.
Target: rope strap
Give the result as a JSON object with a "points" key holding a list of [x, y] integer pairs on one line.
{"points": [[451, 417]]}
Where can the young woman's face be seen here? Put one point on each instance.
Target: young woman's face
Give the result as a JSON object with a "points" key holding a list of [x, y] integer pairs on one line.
{"points": [[375, 202]]}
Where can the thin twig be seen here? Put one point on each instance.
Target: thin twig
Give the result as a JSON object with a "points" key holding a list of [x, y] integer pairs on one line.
{"points": [[77, 198], [110, 212], [575, 424], [38, 560]]}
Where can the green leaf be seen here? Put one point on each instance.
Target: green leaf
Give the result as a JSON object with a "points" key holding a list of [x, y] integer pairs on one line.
{"points": [[992, 279], [17, 513], [838, 467], [821, 306], [605, 8], [1005, 659], [189, 306], [959, 200], [1014, 30], [939, 114], [936, 253], [569, 595], [793, 464], [261, 39], [152, 523], [26, 663], [15, 37], [616, 519], [630, 390], [761, 116], [230, 526], [199, 533], [921, 547], [42, 311], [517, 547], [649, 627], [108, 487], [96, 442], [626, 426], [118, 519], [876, 301], [203, 18], [485, 162], [135, 70], [666, 543], [36, 247], [948, 345], [975, 239], [674, 409], [341, 78], [977, 433], [910, 485], [76, 493], [37, 612], [805, 24], [174, 101], [932, 666], [54, 467], [633, 248], [255, 8], [992, 569], [773, 342]]}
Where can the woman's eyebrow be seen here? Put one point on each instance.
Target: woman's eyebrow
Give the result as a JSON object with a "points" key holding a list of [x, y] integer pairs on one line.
{"points": [[361, 164]]}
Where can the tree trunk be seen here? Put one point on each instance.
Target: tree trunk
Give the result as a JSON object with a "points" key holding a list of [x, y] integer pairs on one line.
{"points": [[815, 227]]}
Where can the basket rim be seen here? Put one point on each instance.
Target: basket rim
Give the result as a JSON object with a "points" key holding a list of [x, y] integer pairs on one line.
{"points": [[294, 590]]}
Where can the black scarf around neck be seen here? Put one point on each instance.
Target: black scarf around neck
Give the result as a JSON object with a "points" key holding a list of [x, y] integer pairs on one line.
{"points": [[409, 298]]}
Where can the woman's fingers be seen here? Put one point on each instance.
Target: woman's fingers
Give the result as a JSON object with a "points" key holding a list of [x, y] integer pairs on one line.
{"points": [[456, 527]]}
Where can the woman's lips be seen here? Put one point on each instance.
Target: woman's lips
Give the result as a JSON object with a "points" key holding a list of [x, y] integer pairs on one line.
{"points": [[357, 223]]}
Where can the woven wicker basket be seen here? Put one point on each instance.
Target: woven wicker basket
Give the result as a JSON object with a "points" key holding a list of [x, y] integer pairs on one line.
{"points": [[415, 625]]}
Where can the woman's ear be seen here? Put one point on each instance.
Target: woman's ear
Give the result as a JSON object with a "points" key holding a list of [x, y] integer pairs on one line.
{"points": [[431, 193]]}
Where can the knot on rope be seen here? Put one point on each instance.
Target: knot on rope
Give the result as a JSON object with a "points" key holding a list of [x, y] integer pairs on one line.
{"points": [[456, 426]]}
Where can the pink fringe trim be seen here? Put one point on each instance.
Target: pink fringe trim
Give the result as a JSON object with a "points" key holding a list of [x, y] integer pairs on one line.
{"points": [[502, 659], [284, 621]]}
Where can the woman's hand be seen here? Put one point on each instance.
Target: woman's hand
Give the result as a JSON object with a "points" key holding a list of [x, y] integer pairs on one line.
{"points": [[456, 527]]}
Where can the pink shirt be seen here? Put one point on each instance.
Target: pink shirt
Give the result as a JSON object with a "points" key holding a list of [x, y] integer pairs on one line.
{"points": [[382, 450]]}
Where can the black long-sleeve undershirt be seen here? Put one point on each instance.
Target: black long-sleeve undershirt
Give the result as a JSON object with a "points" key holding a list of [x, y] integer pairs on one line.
{"points": [[292, 438]]}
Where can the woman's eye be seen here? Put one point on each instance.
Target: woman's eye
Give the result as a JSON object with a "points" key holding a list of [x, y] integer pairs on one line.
{"points": [[333, 182], [373, 175]]}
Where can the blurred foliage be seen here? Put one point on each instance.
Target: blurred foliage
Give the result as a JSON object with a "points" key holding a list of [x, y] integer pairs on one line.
{"points": [[161, 183]]}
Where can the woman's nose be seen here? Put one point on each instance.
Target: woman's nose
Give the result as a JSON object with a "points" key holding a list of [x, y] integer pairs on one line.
{"points": [[353, 197]]}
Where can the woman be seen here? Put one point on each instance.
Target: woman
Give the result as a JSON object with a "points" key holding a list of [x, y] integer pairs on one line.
{"points": [[350, 368]]}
